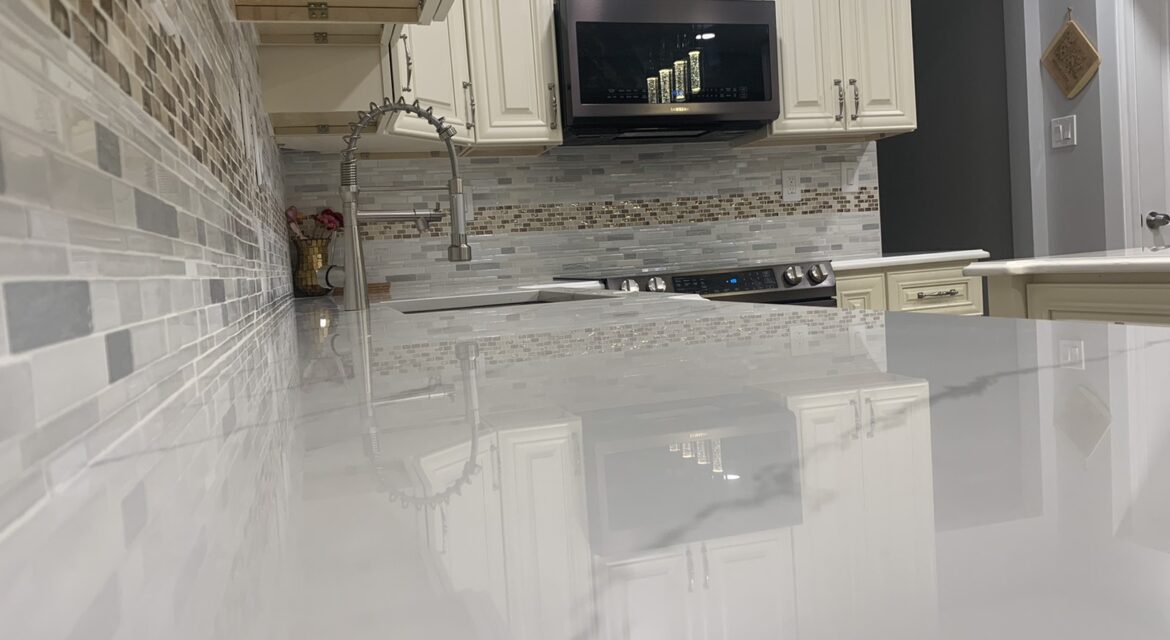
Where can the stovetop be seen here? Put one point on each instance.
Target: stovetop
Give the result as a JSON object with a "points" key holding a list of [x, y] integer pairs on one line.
{"points": [[746, 281]]}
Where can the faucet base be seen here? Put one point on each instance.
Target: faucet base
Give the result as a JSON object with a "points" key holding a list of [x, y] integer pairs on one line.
{"points": [[459, 253]]}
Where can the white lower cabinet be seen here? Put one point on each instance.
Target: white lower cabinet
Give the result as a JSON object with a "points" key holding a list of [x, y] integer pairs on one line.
{"points": [[515, 532], [864, 556], [936, 289], [735, 588]]}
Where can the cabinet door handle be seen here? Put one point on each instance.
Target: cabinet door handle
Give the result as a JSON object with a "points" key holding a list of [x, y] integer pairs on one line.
{"points": [[690, 570], [469, 93], [856, 99], [922, 295], [856, 434], [409, 63], [552, 94], [872, 418], [840, 99], [495, 467], [706, 568]]}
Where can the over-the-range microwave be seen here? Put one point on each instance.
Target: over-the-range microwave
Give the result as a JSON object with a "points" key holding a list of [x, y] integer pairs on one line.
{"points": [[641, 71]]}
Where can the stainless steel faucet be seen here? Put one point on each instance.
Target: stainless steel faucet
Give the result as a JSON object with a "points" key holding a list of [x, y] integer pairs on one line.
{"points": [[356, 296]]}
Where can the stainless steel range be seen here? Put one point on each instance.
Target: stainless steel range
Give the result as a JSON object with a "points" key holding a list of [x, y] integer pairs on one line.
{"points": [[802, 283]]}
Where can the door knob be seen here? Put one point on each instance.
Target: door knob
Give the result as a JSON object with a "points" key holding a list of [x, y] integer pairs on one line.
{"points": [[1155, 220]]}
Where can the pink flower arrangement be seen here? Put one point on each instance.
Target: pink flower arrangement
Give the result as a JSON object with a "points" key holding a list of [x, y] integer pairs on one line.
{"points": [[306, 227]]}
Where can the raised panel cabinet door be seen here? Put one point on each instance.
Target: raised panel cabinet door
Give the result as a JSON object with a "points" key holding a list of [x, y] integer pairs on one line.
{"points": [[650, 598], [826, 544], [748, 587], [862, 293], [513, 62], [430, 65], [877, 43], [811, 75], [466, 532], [545, 532], [897, 585]]}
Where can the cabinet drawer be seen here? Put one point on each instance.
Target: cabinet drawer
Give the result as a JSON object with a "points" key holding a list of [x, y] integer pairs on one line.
{"points": [[944, 291]]}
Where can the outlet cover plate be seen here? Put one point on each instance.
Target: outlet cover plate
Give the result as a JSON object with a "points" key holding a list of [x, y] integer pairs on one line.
{"points": [[1064, 132], [850, 182], [792, 192]]}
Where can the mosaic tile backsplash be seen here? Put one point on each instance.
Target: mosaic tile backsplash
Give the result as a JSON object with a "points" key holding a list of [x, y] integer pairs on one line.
{"points": [[617, 206], [141, 242]]}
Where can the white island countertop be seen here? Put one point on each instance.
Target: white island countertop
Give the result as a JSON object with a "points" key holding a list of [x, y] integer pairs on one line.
{"points": [[639, 466], [909, 259], [1119, 261]]}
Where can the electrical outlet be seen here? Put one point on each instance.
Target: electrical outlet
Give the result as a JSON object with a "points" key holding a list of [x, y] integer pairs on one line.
{"points": [[850, 182], [798, 337], [1064, 132], [792, 190], [1072, 354]]}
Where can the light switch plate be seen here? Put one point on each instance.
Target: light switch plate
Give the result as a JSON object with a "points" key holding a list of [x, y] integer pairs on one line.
{"points": [[850, 182], [792, 186], [1064, 132]]}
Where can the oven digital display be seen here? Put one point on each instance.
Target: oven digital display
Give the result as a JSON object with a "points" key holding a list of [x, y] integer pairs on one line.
{"points": [[710, 284]]}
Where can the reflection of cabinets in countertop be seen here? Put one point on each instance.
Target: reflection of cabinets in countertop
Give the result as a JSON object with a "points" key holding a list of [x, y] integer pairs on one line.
{"points": [[515, 534], [1127, 298], [926, 288], [865, 552], [717, 590]]}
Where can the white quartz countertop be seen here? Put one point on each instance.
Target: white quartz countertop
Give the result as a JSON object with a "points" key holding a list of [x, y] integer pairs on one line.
{"points": [[593, 465], [1120, 261], [909, 259]]}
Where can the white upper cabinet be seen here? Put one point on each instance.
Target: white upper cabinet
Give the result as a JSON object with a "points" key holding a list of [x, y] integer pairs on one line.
{"points": [[812, 93], [878, 55], [846, 67], [430, 65], [513, 66]]}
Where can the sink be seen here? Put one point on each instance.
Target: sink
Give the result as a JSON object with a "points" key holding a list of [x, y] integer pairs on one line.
{"points": [[488, 300]]}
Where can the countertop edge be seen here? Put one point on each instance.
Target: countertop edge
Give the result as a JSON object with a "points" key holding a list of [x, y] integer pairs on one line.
{"points": [[858, 264], [1057, 265]]}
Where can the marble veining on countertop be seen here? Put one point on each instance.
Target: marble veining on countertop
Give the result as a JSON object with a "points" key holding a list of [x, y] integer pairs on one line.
{"points": [[1146, 260], [629, 467]]}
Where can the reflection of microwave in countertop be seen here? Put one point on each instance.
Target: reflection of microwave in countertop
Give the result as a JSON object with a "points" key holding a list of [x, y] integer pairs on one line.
{"points": [[666, 70], [674, 473]]}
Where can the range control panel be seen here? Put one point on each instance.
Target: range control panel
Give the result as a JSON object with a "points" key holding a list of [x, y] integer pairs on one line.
{"points": [[733, 282]]}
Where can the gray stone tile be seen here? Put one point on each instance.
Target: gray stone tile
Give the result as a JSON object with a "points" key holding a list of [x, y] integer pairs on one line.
{"points": [[53, 436], [155, 215], [44, 313], [134, 513], [216, 291], [130, 301], [119, 355], [26, 169], [109, 150], [16, 402], [20, 495]]}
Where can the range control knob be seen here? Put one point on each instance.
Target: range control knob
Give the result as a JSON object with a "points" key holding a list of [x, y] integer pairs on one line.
{"points": [[656, 284], [630, 285], [817, 274], [793, 276]]}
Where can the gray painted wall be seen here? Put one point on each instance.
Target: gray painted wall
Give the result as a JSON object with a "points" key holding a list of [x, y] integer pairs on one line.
{"points": [[945, 186]]}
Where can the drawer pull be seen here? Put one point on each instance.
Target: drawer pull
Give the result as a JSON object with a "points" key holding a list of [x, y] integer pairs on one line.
{"points": [[922, 295]]}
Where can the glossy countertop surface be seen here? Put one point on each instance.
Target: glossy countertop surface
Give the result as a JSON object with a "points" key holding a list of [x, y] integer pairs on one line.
{"points": [[632, 467], [909, 259], [1148, 260]]}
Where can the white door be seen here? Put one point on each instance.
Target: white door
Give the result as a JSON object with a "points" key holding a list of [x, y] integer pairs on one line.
{"points": [[826, 543], [811, 76], [430, 65], [651, 598], [748, 587], [545, 532], [513, 62], [878, 56], [466, 531], [897, 582]]}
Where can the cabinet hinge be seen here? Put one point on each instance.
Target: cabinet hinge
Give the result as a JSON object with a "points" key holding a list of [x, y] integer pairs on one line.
{"points": [[318, 10], [320, 37]]}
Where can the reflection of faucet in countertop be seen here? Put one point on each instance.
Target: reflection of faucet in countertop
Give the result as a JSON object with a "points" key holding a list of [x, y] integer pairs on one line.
{"points": [[356, 296]]}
